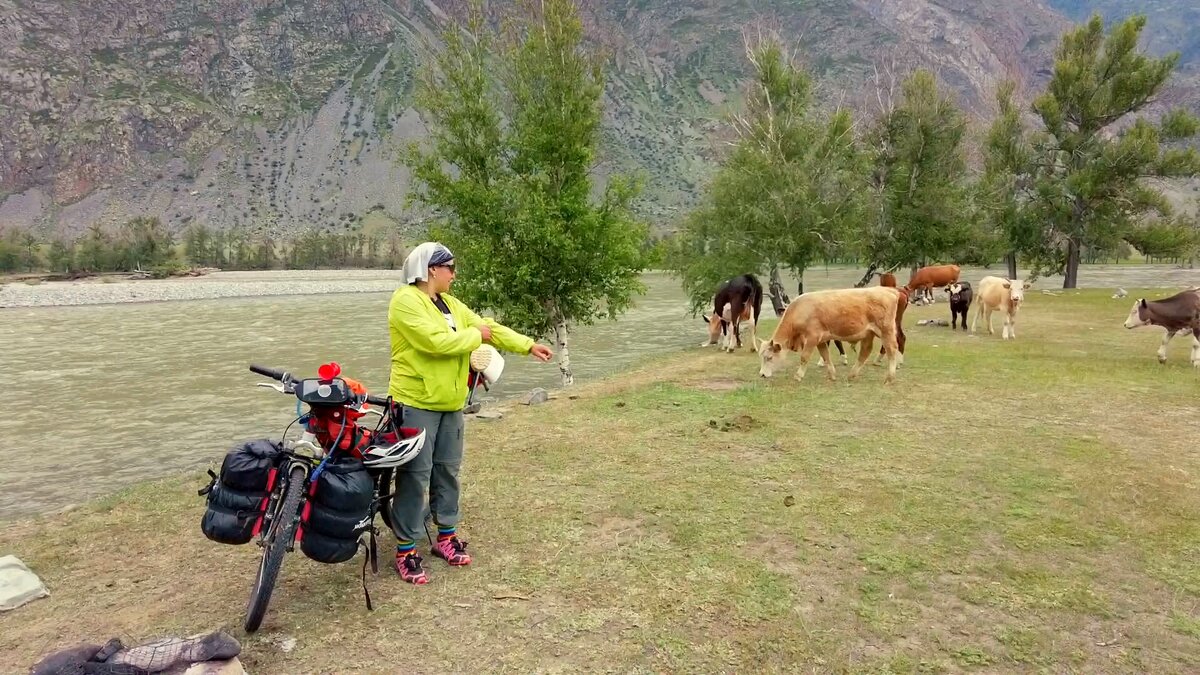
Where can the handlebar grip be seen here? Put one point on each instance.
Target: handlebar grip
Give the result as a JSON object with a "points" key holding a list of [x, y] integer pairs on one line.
{"points": [[377, 400], [267, 372]]}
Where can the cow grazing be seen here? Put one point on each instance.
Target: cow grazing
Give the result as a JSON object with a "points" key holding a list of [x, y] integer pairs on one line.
{"points": [[926, 278], [850, 314], [1003, 295], [960, 302], [736, 300], [1179, 313]]}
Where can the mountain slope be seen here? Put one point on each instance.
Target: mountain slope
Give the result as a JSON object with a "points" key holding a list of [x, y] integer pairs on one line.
{"points": [[281, 115]]}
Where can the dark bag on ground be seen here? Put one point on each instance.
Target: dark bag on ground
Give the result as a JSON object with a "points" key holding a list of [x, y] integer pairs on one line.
{"points": [[338, 511], [237, 497]]}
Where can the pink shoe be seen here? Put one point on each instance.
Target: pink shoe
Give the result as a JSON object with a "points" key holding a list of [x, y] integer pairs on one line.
{"points": [[409, 568], [452, 550]]}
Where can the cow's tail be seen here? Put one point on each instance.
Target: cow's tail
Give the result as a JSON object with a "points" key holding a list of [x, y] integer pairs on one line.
{"points": [[756, 296]]}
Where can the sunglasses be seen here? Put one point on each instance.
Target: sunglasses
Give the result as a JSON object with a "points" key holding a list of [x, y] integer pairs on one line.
{"points": [[449, 267]]}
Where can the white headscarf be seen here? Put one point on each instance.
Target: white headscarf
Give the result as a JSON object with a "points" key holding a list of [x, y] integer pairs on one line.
{"points": [[418, 262]]}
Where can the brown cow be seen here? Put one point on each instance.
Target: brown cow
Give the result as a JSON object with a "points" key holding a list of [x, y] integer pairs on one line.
{"points": [[847, 314], [926, 278], [887, 279], [1178, 314], [1003, 295]]}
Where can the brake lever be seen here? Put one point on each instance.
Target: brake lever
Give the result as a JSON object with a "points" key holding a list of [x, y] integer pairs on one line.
{"points": [[270, 385]]}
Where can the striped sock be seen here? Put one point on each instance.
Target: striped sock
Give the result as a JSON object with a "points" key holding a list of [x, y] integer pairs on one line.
{"points": [[405, 547], [445, 533]]}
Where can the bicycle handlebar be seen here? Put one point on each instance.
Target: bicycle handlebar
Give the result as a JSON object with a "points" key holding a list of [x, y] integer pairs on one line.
{"points": [[283, 375], [268, 372]]}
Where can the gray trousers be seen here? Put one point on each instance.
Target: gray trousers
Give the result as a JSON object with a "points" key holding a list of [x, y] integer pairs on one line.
{"points": [[435, 470]]}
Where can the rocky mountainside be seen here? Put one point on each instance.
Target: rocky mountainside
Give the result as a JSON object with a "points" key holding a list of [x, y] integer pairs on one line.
{"points": [[280, 115]]}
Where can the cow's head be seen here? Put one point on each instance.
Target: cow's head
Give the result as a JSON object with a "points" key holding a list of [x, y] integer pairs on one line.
{"points": [[956, 290], [715, 328], [770, 355], [1139, 315], [1016, 291]]}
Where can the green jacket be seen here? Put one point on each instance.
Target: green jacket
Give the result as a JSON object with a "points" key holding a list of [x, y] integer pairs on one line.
{"points": [[430, 362]]}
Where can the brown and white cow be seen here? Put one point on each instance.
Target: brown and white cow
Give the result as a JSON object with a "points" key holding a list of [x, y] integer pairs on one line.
{"points": [[998, 294], [926, 278], [849, 314], [1179, 313]]}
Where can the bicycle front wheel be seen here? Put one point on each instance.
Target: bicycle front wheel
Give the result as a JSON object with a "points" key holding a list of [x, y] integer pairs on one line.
{"points": [[283, 532]]}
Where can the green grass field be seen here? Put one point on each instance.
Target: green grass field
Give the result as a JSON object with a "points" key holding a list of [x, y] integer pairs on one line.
{"points": [[1019, 506]]}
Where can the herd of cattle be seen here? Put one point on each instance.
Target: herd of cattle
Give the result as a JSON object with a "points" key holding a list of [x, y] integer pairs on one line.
{"points": [[862, 315]]}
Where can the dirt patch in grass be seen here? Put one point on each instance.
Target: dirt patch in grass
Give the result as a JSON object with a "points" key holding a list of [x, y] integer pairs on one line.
{"points": [[720, 384], [1026, 505]]}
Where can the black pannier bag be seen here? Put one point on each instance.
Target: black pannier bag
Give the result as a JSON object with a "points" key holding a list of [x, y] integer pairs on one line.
{"points": [[237, 497], [338, 511]]}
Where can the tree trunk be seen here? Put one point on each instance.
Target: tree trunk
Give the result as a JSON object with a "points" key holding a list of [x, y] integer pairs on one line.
{"points": [[1071, 276], [779, 298], [1011, 259], [866, 278], [564, 356]]}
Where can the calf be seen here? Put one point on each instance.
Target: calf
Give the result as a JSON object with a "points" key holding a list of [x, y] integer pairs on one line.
{"points": [[960, 303], [1179, 313], [926, 278], [849, 314], [736, 300], [1000, 294]]}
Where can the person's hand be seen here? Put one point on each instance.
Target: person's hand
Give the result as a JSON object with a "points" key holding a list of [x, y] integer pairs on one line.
{"points": [[485, 331], [541, 353]]}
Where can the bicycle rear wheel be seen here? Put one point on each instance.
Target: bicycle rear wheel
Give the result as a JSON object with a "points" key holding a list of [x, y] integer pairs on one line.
{"points": [[283, 531]]}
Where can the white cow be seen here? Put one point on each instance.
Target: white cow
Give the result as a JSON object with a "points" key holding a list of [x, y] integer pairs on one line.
{"points": [[1003, 295]]}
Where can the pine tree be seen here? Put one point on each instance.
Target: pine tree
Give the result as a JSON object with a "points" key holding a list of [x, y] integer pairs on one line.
{"points": [[1090, 163], [922, 211]]}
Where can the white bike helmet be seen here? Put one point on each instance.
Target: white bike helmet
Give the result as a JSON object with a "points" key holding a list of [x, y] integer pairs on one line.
{"points": [[391, 456]]}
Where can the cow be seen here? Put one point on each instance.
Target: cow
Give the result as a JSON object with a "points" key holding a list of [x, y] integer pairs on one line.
{"points": [[926, 278], [1000, 294], [1178, 314], [847, 314], [960, 303], [736, 300]]}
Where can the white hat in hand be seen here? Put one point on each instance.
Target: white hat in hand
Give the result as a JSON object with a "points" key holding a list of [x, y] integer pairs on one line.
{"points": [[487, 362]]}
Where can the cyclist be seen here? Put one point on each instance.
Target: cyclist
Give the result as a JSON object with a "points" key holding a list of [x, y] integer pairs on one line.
{"points": [[432, 337]]}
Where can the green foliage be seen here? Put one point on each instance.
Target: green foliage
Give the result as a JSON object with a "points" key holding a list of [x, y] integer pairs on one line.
{"points": [[1089, 190], [61, 257], [1005, 223], [789, 193], [19, 251], [923, 213], [144, 243], [515, 201], [1176, 239]]}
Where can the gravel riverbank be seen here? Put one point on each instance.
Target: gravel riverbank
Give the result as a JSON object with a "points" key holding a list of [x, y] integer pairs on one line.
{"points": [[109, 290]]}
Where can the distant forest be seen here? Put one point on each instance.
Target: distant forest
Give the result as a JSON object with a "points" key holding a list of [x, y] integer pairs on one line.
{"points": [[143, 244]]}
